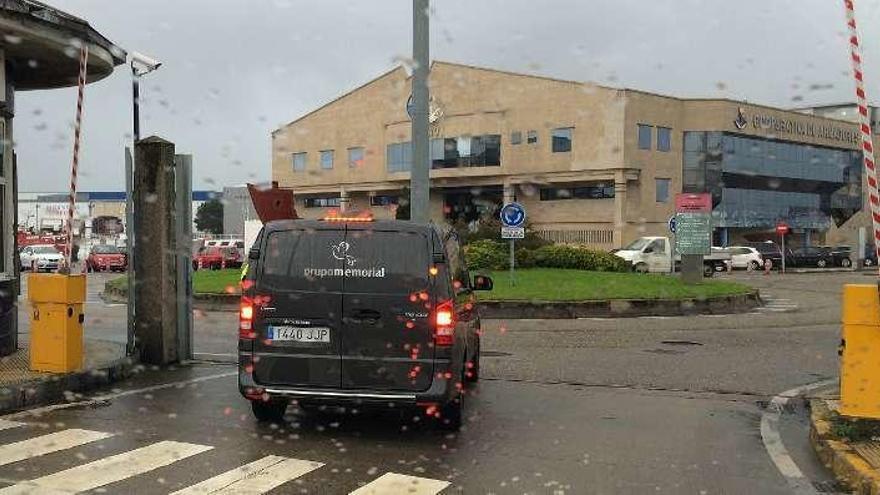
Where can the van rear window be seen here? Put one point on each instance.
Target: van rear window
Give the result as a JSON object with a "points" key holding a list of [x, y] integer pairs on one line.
{"points": [[387, 262], [302, 260], [359, 261]]}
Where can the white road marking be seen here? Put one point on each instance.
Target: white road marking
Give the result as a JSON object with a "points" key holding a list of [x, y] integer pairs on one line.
{"points": [[773, 440], [401, 484], [108, 470], [37, 411], [46, 444], [5, 425], [255, 478]]}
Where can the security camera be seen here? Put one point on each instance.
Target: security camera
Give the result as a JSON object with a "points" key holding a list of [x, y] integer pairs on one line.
{"points": [[149, 63]]}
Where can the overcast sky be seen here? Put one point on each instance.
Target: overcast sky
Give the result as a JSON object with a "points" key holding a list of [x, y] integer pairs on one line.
{"points": [[234, 70]]}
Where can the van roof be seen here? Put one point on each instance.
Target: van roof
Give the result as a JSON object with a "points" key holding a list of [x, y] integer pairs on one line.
{"points": [[398, 225]]}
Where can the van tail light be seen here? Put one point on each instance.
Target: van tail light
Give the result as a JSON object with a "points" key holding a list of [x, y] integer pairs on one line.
{"points": [[444, 324], [246, 319]]}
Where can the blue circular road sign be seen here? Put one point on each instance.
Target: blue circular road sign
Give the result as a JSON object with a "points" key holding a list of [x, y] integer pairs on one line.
{"points": [[513, 215], [672, 224]]}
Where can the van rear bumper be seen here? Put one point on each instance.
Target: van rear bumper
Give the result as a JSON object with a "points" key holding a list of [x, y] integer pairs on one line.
{"points": [[442, 390]]}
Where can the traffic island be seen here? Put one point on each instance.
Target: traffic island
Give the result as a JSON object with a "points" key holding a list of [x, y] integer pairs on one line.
{"points": [[539, 293], [104, 362], [848, 447]]}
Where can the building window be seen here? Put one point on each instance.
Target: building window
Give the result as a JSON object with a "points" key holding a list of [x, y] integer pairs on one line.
{"points": [[355, 157], [664, 139], [661, 194], [466, 151], [595, 190], [383, 200], [398, 157], [299, 162], [516, 137], [532, 137], [327, 159], [324, 202], [561, 140], [645, 137]]}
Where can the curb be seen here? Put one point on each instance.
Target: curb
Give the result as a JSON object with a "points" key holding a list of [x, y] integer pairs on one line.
{"points": [[60, 388], [620, 308], [848, 467], [609, 308]]}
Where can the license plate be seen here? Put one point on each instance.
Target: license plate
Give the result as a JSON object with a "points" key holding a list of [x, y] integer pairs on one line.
{"points": [[299, 334]]}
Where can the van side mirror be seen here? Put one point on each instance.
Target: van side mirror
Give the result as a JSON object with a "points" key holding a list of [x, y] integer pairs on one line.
{"points": [[254, 254], [482, 282]]}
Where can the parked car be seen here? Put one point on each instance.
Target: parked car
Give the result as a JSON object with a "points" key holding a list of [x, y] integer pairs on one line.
{"points": [[841, 256], [104, 257], [745, 257], [769, 250], [40, 258], [870, 255], [364, 313], [215, 258], [810, 256]]}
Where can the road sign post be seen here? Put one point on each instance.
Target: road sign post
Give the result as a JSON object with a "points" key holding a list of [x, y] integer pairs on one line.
{"points": [[513, 216], [782, 229], [671, 223]]}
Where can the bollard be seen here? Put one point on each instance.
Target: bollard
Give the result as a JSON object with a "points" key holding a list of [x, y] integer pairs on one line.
{"points": [[859, 348], [56, 321], [768, 265]]}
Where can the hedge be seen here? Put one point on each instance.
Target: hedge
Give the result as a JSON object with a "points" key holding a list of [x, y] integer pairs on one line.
{"points": [[487, 254]]}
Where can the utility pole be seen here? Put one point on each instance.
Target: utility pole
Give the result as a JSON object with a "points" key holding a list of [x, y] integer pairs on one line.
{"points": [[421, 164]]}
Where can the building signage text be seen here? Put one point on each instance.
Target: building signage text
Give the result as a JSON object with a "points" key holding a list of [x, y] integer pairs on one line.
{"points": [[791, 126]]}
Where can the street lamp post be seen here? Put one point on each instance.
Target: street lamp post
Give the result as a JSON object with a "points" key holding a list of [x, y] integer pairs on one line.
{"points": [[140, 65], [420, 172]]}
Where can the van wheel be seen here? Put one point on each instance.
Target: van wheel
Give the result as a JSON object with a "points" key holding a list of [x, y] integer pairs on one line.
{"points": [[451, 414], [753, 266], [271, 411], [821, 263], [846, 263], [472, 374], [641, 268]]}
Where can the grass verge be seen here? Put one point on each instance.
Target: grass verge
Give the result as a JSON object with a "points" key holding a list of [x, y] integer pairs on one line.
{"points": [[552, 284], [536, 284]]}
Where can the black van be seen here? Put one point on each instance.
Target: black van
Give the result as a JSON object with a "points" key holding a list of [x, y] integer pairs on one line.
{"points": [[356, 311]]}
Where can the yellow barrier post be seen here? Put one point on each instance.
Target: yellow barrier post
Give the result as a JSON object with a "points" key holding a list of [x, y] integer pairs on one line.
{"points": [[860, 352], [56, 321]]}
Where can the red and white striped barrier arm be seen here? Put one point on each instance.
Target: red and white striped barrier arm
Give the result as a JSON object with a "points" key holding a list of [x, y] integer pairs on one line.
{"points": [[864, 122], [83, 64]]}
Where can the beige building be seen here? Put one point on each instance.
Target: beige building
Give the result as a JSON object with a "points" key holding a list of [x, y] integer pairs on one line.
{"points": [[591, 164]]}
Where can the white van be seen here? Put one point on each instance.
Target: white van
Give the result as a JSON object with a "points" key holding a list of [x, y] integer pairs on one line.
{"points": [[654, 255]]}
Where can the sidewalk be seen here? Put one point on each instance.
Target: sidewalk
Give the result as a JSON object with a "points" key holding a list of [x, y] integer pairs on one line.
{"points": [[105, 363], [851, 450]]}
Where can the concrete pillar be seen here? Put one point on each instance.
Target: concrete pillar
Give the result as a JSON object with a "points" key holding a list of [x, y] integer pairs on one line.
{"points": [[155, 251], [344, 200], [619, 208]]}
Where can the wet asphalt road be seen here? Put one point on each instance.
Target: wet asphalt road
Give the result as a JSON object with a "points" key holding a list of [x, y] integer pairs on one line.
{"points": [[645, 405]]}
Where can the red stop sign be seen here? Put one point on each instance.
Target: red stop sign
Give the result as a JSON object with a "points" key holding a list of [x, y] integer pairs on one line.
{"points": [[781, 228]]}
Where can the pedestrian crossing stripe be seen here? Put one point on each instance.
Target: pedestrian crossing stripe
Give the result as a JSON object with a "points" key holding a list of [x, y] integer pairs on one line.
{"points": [[257, 477], [108, 470], [46, 444], [254, 478], [401, 484]]}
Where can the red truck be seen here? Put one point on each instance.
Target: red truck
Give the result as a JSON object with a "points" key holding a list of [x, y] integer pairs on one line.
{"points": [[215, 258]]}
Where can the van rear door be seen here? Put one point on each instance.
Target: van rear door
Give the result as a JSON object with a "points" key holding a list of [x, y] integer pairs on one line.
{"points": [[387, 336], [298, 329]]}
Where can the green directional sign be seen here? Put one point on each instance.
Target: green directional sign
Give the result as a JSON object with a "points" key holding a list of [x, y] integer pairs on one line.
{"points": [[693, 233]]}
